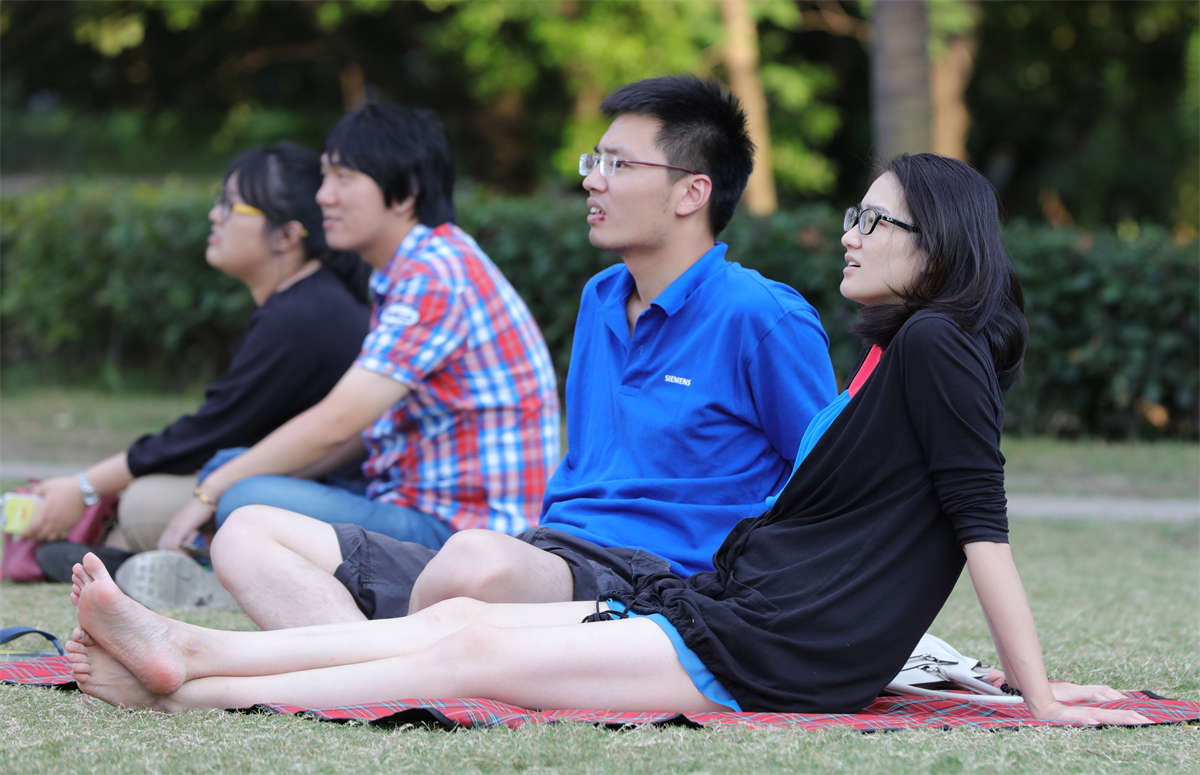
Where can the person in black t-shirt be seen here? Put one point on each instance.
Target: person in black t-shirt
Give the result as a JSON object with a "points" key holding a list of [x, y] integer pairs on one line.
{"points": [[310, 317], [902, 485]]}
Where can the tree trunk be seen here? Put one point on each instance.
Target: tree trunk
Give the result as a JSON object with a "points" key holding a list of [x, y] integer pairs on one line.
{"points": [[354, 86], [741, 61], [949, 75], [900, 97]]}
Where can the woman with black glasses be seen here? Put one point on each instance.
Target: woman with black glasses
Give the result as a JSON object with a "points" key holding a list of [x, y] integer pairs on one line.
{"points": [[813, 606], [309, 319]]}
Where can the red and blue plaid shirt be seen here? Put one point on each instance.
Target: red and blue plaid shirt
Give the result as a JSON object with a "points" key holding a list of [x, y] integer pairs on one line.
{"points": [[474, 440]]}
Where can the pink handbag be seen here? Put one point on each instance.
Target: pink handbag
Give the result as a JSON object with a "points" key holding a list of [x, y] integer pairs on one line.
{"points": [[18, 563]]}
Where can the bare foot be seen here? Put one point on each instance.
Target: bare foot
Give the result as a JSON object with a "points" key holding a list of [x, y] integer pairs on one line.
{"points": [[101, 676], [133, 635], [80, 635], [79, 577]]}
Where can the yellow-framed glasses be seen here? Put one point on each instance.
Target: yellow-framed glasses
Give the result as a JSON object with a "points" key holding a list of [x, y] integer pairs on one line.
{"points": [[225, 208]]}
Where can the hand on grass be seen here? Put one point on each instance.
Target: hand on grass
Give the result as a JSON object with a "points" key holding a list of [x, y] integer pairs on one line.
{"points": [[62, 508], [1084, 715], [181, 531], [1065, 691]]}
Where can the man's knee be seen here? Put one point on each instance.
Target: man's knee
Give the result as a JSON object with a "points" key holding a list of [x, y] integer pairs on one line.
{"points": [[493, 567], [469, 564], [250, 535], [238, 542]]}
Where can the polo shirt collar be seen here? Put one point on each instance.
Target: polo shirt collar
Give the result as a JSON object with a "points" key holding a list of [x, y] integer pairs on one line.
{"points": [[676, 294], [672, 298]]}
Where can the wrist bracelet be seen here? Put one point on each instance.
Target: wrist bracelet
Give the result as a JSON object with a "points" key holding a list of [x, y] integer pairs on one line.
{"points": [[204, 497], [86, 490]]}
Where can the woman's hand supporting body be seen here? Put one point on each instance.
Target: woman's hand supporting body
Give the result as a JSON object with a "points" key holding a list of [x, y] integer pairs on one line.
{"points": [[1006, 608]]}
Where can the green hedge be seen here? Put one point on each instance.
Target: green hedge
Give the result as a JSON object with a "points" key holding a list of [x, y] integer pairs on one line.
{"points": [[104, 279]]}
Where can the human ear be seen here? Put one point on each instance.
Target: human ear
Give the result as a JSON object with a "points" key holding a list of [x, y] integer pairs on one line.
{"points": [[287, 237], [406, 206], [695, 195]]}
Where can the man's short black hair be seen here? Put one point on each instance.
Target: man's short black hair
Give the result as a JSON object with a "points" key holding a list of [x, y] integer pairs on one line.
{"points": [[703, 128], [404, 151]]}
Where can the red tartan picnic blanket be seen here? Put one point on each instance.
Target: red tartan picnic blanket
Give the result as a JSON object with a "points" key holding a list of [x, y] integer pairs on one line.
{"points": [[885, 713]]}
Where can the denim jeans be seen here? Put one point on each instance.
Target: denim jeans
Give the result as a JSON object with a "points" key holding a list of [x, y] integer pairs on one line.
{"points": [[329, 500]]}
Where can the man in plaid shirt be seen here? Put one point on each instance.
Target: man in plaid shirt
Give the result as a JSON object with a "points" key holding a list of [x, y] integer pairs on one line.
{"points": [[453, 396]]}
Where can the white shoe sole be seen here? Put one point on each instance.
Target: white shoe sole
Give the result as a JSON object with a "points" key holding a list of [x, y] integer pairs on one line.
{"points": [[171, 581]]}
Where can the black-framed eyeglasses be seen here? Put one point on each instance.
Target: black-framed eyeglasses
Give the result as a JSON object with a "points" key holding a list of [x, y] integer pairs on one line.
{"points": [[609, 163], [869, 218]]}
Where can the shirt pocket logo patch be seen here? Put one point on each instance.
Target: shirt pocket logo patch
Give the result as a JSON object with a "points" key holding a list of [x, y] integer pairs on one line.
{"points": [[399, 316]]}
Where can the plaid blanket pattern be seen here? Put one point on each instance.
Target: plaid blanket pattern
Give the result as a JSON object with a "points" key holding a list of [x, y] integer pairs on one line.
{"points": [[885, 713]]}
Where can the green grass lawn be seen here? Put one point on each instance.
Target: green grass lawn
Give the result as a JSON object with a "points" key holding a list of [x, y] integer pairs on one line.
{"points": [[59, 425], [1116, 602]]}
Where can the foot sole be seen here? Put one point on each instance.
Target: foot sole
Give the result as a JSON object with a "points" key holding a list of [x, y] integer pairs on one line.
{"points": [[171, 581]]}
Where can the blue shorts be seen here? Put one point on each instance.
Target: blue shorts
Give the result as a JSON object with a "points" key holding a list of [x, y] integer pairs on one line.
{"points": [[701, 676]]}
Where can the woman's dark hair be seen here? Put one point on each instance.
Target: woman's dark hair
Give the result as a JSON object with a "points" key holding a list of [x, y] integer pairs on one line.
{"points": [[968, 276], [406, 153], [703, 128], [282, 181]]}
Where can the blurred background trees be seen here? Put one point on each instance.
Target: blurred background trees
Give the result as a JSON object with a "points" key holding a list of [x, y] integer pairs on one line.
{"points": [[1080, 112], [117, 118]]}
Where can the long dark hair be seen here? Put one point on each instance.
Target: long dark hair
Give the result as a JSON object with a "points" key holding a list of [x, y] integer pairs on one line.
{"points": [[968, 276], [282, 181]]}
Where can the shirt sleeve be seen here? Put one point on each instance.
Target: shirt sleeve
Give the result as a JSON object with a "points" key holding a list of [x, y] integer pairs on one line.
{"points": [[791, 378], [419, 325], [955, 406]]}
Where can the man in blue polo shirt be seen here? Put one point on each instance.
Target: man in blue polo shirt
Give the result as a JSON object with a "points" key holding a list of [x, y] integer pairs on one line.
{"points": [[692, 378], [691, 382]]}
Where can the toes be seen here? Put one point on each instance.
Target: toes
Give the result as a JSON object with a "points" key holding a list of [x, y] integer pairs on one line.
{"points": [[94, 567]]}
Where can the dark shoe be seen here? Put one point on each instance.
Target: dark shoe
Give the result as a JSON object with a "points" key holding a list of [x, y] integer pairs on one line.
{"points": [[58, 557]]}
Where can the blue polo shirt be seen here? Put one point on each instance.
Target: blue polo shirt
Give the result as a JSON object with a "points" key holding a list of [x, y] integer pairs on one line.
{"points": [[686, 426]]}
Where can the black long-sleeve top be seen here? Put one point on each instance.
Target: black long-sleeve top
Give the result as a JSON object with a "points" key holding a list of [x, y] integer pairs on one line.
{"points": [[295, 348], [815, 605]]}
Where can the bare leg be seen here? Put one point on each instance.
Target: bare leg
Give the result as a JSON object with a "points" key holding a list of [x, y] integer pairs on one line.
{"points": [[622, 665], [162, 653], [279, 567], [493, 567]]}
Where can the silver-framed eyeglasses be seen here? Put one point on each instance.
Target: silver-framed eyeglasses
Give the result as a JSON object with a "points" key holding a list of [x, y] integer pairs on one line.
{"points": [[867, 219], [609, 163]]}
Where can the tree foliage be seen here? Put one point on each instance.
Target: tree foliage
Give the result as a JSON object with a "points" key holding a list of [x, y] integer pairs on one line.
{"points": [[1088, 116], [1080, 112]]}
